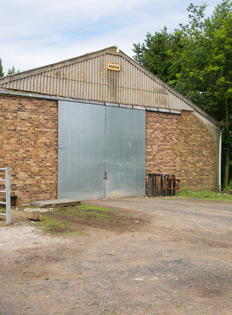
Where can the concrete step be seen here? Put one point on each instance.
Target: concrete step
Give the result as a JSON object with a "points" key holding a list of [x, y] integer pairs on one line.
{"points": [[56, 202]]}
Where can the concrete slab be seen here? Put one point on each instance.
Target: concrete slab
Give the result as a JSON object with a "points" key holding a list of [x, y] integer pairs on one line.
{"points": [[56, 202]]}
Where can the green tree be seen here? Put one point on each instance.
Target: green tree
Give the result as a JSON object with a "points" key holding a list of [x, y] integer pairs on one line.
{"points": [[205, 61], [197, 61], [12, 71], [1, 69], [154, 54]]}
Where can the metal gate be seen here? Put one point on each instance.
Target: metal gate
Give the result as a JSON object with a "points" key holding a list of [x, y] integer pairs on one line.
{"points": [[6, 191], [101, 151]]}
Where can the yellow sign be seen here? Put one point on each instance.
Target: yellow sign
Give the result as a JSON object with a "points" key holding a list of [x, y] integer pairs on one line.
{"points": [[114, 66]]}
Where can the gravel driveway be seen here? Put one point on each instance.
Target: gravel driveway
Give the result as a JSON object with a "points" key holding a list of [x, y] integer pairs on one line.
{"points": [[177, 260]]}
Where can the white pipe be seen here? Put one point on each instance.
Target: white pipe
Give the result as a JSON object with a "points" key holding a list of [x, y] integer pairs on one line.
{"points": [[220, 162]]}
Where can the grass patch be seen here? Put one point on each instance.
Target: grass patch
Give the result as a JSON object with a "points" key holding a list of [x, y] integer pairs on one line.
{"points": [[53, 225], [68, 220], [204, 195], [88, 207], [86, 212]]}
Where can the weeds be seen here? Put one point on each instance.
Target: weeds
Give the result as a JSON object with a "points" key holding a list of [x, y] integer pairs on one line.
{"points": [[2, 210], [229, 186]]}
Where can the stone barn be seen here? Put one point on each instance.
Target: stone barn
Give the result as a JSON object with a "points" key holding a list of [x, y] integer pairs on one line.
{"points": [[94, 126]]}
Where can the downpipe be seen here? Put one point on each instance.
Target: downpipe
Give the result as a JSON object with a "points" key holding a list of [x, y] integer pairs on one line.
{"points": [[220, 162]]}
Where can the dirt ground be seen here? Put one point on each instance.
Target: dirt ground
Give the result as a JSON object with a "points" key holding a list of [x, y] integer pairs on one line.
{"points": [[173, 257]]}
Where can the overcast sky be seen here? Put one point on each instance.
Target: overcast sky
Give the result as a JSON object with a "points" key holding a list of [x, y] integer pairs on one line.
{"points": [[35, 33]]}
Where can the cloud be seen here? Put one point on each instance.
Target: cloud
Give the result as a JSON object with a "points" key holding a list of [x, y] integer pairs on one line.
{"points": [[36, 33]]}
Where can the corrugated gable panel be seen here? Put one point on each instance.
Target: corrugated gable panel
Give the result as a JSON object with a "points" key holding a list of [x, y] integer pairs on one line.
{"points": [[176, 102], [87, 77], [132, 86]]}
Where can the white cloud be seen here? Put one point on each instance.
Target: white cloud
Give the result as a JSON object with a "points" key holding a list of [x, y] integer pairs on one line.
{"points": [[40, 32]]}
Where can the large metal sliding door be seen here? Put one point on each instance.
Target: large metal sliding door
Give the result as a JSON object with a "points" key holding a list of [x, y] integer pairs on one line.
{"points": [[101, 151], [125, 152], [81, 151]]}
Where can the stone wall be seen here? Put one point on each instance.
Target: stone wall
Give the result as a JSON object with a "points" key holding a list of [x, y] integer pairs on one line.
{"points": [[29, 145], [181, 145]]}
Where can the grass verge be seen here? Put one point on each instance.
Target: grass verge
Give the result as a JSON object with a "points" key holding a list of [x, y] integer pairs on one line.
{"points": [[204, 195]]}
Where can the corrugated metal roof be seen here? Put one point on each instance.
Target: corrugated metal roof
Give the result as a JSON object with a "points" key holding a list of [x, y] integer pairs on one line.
{"points": [[87, 77]]}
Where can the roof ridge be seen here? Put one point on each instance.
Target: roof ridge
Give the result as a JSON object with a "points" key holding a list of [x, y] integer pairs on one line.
{"points": [[70, 61]]}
